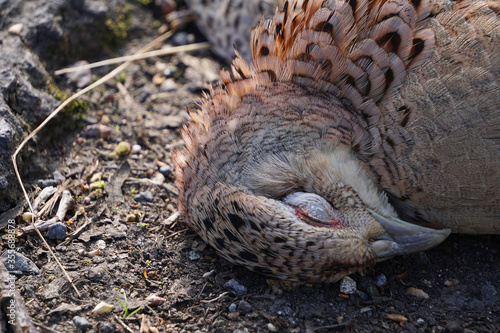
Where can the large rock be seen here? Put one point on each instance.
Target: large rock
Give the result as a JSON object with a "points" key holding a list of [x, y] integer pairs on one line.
{"points": [[23, 101], [58, 32]]}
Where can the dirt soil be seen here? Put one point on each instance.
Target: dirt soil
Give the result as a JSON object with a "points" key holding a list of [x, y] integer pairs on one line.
{"points": [[128, 244]]}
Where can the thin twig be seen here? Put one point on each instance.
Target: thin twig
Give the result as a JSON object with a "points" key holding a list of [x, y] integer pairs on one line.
{"points": [[123, 324], [165, 51], [64, 205], [175, 233], [77, 232], [215, 299]]}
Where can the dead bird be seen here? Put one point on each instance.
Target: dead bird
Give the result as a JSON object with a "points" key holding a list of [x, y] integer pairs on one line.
{"points": [[360, 129]]}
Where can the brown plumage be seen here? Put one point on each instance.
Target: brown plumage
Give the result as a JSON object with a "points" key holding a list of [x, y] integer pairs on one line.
{"points": [[354, 115]]}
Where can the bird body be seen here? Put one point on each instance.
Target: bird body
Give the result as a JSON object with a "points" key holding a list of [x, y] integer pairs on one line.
{"points": [[354, 116]]}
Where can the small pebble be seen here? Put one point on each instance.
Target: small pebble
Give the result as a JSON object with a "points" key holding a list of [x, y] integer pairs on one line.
{"points": [[372, 291], [168, 85], [396, 317], [364, 296], [235, 287], [47, 182], [97, 130], [476, 305], [380, 280], [86, 200], [145, 196], [182, 38], [241, 330], [155, 300], [244, 306], [58, 176], [194, 255], [160, 66], [96, 177], [158, 79], [489, 294], [453, 327], [347, 286], [232, 308], [105, 120], [136, 148], [28, 289], [106, 327], [171, 71], [418, 293], [420, 321], [82, 323], [272, 328], [57, 231], [101, 244], [166, 170], [16, 29], [281, 308], [456, 300], [158, 178], [450, 282]]}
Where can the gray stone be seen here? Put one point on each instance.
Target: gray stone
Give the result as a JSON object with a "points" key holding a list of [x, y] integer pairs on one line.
{"points": [[489, 294], [57, 231], [82, 323], [476, 305], [281, 308], [16, 263], [96, 274], [193, 255], [456, 300], [28, 289], [106, 327], [380, 280], [244, 306], [235, 287], [144, 196], [232, 308], [166, 170]]}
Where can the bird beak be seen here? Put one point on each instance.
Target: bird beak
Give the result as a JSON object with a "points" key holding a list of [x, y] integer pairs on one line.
{"points": [[401, 237]]}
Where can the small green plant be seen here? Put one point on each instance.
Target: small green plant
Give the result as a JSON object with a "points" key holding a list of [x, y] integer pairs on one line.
{"points": [[121, 77], [124, 304]]}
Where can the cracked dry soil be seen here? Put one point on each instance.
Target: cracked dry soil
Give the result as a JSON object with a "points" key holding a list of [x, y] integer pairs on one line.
{"points": [[142, 252]]}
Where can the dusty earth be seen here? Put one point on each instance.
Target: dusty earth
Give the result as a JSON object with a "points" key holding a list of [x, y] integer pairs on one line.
{"points": [[130, 245]]}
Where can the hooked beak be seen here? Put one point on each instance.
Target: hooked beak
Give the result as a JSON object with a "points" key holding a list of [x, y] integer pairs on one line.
{"points": [[401, 237]]}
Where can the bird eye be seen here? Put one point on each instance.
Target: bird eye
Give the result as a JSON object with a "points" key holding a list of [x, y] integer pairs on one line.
{"points": [[314, 210]]}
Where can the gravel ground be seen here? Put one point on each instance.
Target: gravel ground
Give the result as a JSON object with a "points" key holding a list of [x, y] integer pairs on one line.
{"points": [[122, 241]]}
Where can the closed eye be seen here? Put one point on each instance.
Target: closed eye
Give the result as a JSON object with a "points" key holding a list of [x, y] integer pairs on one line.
{"points": [[314, 210]]}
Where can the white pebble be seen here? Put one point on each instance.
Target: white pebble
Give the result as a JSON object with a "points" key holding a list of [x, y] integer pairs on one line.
{"points": [[16, 29], [271, 328], [136, 148], [347, 286]]}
